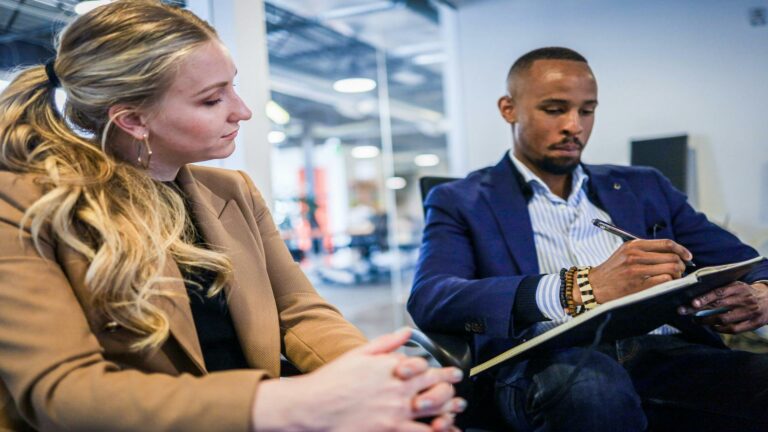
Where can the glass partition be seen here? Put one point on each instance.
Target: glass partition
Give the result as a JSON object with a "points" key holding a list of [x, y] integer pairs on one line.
{"points": [[357, 117]]}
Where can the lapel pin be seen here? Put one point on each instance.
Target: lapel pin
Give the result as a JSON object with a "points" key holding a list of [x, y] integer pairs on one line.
{"points": [[616, 186]]}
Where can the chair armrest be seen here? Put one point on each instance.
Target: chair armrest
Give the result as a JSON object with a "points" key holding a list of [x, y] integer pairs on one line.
{"points": [[446, 349]]}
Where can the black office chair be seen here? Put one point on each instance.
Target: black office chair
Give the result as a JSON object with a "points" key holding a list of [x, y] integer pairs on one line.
{"points": [[454, 350]]}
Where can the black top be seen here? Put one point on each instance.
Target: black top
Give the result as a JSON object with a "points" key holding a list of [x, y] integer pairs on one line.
{"points": [[215, 330]]}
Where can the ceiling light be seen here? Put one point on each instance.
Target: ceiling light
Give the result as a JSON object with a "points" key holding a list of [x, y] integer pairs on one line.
{"points": [[426, 160], [408, 78], [365, 152], [395, 183], [276, 113], [84, 7], [354, 85], [276, 137], [429, 59]]}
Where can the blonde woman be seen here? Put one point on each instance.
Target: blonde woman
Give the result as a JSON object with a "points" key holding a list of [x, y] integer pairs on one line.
{"points": [[139, 292]]}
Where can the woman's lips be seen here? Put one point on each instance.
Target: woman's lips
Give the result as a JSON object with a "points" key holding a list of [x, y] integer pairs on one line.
{"points": [[230, 135]]}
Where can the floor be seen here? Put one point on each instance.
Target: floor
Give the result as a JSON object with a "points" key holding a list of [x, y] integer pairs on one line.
{"points": [[370, 307]]}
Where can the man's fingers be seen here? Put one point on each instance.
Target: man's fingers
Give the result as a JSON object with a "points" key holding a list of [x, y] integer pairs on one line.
{"points": [[739, 327], [663, 245], [745, 326], [718, 294], [655, 280], [674, 269], [727, 318], [653, 258]]}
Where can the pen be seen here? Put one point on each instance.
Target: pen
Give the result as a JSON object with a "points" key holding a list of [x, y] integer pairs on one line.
{"points": [[613, 229]]}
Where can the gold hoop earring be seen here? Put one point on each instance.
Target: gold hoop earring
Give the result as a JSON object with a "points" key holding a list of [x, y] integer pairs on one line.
{"points": [[144, 163]]}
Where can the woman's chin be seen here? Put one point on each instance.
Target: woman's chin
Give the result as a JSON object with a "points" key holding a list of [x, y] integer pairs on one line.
{"points": [[222, 152]]}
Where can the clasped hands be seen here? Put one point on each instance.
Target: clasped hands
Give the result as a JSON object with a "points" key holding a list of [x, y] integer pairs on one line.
{"points": [[370, 388], [641, 264]]}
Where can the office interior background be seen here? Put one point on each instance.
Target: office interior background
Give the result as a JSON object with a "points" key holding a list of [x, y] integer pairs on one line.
{"points": [[355, 100]]}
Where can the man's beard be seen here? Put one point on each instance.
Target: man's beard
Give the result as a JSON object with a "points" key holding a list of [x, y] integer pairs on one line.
{"points": [[561, 165], [557, 166]]}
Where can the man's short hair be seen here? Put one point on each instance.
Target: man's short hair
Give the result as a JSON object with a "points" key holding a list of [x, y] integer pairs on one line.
{"points": [[525, 61]]}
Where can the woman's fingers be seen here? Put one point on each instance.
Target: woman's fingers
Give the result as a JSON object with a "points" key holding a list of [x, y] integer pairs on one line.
{"points": [[409, 367], [444, 423], [433, 400], [435, 375], [413, 426], [385, 344]]}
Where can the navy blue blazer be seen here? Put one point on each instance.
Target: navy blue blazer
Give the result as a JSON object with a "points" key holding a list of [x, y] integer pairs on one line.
{"points": [[478, 246]]}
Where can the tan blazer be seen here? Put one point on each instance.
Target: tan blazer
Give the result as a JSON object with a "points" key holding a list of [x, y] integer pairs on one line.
{"points": [[63, 367]]}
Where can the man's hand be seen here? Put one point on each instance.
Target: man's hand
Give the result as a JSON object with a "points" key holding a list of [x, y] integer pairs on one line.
{"points": [[747, 307], [637, 265]]}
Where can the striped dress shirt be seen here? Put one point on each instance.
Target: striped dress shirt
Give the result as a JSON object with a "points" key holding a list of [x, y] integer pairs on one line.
{"points": [[565, 236]]}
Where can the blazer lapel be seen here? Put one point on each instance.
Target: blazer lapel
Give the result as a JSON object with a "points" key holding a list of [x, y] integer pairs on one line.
{"points": [[617, 199], [179, 314], [504, 194], [224, 226]]}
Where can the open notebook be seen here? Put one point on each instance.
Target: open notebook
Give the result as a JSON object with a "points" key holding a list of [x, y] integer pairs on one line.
{"points": [[633, 315]]}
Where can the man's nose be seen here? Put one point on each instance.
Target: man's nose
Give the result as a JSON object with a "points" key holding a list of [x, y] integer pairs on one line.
{"points": [[573, 123]]}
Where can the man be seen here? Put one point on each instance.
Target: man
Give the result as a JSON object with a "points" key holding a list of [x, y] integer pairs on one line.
{"points": [[500, 245]]}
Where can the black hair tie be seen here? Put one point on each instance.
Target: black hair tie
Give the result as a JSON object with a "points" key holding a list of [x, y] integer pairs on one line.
{"points": [[53, 80]]}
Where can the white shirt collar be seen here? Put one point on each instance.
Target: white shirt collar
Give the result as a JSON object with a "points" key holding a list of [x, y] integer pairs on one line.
{"points": [[578, 180]]}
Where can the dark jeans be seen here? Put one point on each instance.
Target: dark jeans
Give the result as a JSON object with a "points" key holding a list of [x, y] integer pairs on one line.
{"points": [[647, 382]]}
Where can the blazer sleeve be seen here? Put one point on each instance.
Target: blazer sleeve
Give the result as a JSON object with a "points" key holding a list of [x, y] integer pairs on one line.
{"points": [[52, 364], [449, 292], [313, 331], [709, 243]]}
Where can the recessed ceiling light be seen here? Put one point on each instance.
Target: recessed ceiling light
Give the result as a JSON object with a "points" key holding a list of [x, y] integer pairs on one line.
{"points": [[429, 59], [365, 152], [354, 85], [426, 160], [395, 183]]}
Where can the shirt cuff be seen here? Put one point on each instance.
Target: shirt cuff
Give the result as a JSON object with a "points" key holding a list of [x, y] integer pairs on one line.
{"points": [[548, 297]]}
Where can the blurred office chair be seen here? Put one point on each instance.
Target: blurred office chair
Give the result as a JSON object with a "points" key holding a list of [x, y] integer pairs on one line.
{"points": [[455, 350]]}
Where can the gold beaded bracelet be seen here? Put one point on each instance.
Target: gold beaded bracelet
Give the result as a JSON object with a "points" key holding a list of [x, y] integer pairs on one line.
{"points": [[572, 309]]}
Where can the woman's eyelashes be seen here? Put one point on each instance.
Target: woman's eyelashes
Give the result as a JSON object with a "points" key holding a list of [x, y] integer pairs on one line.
{"points": [[212, 102]]}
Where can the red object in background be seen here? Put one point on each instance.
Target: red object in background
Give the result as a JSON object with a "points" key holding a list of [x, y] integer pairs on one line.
{"points": [[305, 232]]}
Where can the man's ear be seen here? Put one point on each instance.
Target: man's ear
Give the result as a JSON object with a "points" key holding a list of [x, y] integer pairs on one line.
{"points": [[129, 120], [507, 109]]}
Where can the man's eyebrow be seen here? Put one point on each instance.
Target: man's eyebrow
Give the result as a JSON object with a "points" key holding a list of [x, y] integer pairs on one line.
{"points": [[566, 102], [554, 101]]}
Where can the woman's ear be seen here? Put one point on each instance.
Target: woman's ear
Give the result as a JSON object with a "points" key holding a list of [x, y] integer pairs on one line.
{"points": [[507, 109], [129, 120]]}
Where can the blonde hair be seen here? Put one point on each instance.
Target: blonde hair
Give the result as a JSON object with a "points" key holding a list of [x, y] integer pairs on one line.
{"points": [[108, 210]]}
